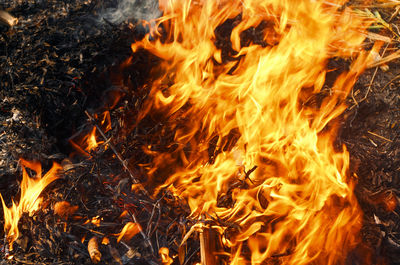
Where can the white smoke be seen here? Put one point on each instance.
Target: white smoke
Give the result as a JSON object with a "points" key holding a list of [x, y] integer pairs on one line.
{"points": [[131, 9]]}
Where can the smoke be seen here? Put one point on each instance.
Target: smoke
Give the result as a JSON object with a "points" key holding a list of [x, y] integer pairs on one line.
{"points": [[131, 9]]}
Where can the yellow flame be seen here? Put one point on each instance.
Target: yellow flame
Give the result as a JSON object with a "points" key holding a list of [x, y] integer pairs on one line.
{"points": [[234, 109], [29, 201], [91, 140]]}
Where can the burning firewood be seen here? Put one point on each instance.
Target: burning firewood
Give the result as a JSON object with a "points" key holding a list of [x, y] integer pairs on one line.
{"points": [[93, 249]]}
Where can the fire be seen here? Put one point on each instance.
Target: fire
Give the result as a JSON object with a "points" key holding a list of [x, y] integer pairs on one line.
{"points": [[165, 258], [106, 121], [91, 140], [254, 143], [129, 230], [87, 143], [29, 201]]}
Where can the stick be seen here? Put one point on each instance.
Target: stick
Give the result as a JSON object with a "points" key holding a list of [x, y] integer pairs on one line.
{"points": [[7, 19], [142, 233], [123, 162]]}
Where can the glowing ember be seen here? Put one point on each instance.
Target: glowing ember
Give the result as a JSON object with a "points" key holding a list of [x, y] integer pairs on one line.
{"points": [[29, 201], [247, 109], [64, 209], [94, 220]]}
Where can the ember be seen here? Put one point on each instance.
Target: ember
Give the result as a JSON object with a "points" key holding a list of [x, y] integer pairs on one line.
{"points": [[29, 201], [200, 132]]}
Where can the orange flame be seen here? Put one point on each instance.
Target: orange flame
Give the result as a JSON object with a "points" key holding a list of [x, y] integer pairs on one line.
{"points": [[129, 230], [106, 121], [91, 140], [249, 105], [29, 201], [88, 142], [165, 258]]}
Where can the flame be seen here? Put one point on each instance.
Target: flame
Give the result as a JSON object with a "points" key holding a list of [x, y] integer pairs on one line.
{"points": [[91, 140], [29, 201], [88, 142], [165, 258], [128, 231], [96, 220], [106, 121], [254, 143], [105, 241]]}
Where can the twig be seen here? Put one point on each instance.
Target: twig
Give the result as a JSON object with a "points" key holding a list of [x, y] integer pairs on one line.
{"points": [[375, 36], [156, 205], [386, 59], [90, 230], [142, 233], [247, 174], [396, 12], [7, 19], [373, 77], [222, 222], [123, 162], [376, 64], [157, 222], [380, 136], [191, 255], [23, 261], [370, 85], [383, 5], [149, 231], [391, 81]]}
